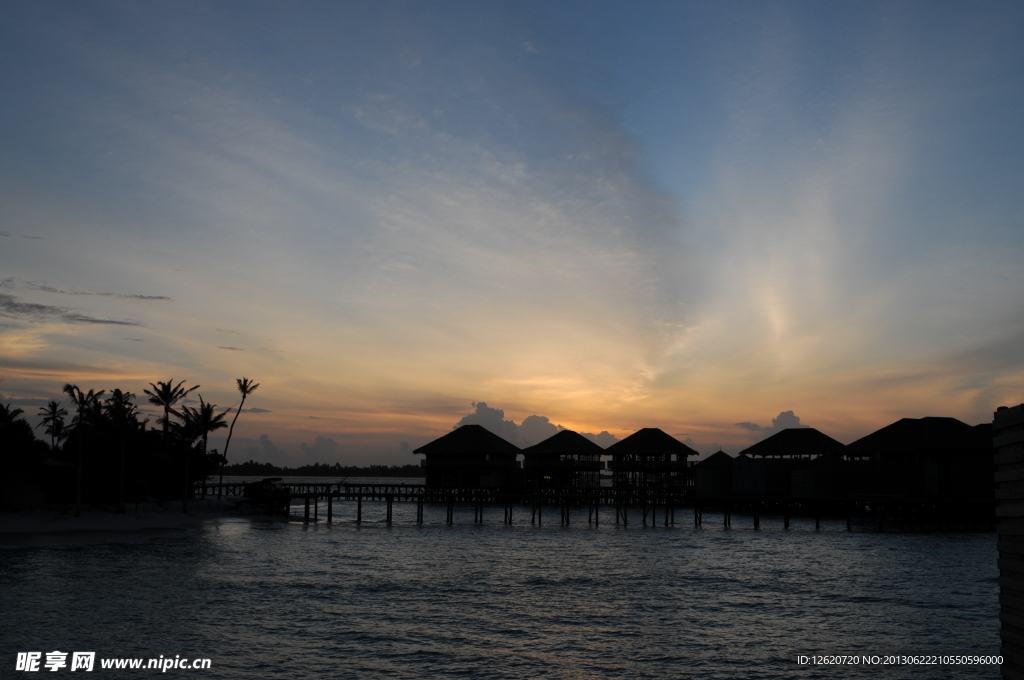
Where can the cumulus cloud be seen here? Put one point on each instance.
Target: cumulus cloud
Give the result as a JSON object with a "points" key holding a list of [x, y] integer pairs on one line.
{"points": [[323, 449], [492, 419], [604, 440], [533, 430], [785, 420], [266, 449]]}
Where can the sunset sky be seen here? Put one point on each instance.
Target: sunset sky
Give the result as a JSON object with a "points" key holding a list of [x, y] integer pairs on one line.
{"points": [[693, 216]]}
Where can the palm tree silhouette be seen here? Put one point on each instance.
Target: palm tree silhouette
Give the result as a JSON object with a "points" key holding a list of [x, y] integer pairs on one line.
{"points": [[167, 394], [53, 419], [83, 401], [123, 415], [201, 422], [8, 414], [246, 387]]}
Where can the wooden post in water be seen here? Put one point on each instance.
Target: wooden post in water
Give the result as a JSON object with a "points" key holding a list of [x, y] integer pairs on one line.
{"points": [[390, 498], [785, 517], [316, 505], [330, 507], [359, 507], [419, 509], [307, 509]]}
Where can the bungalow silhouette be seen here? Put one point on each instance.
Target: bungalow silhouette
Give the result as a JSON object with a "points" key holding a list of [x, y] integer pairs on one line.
{"points": [[798, 462], [566, 460], [712, 476], [649, 459], [927, 457], [471, 457]]}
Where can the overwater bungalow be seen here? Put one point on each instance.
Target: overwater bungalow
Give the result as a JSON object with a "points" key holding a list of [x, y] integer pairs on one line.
{"points": [[471, 457], [770, 467], [1008, 438], [825, 478], [795, 443], [927, 457], [649, 459], [712, 477], [566, 460]]}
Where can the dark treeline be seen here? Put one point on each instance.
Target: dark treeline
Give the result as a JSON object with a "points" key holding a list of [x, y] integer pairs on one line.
{"points": [[99, 451], [251, 468]]}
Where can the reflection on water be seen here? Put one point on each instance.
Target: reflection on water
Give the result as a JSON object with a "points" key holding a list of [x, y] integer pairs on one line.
{"points": [[273, 599]]}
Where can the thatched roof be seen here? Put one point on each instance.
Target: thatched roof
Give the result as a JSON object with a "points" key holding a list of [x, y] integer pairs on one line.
{"points": [[719, 460], [920, 434], [565, 441], [469, 439], [796, 441], [650, 440]]}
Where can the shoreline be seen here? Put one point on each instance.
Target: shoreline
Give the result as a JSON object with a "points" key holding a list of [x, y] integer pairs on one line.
{"points": [[55, 527]]}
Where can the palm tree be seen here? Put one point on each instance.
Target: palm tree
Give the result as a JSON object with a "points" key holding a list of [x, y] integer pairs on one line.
{"points": [[83, 402], [246, 387], [123, 416], [8, 414], [167, 394], [53, 419], [201, 422]]}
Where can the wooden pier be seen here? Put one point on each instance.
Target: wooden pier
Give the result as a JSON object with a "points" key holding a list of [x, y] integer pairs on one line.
{"points": [[646, 507]]}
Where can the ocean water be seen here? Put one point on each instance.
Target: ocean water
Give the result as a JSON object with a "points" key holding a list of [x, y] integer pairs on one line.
{"points": [[267, 599]]}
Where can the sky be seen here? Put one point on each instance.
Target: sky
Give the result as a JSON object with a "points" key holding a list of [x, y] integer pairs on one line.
{"points": [[713, 218]]}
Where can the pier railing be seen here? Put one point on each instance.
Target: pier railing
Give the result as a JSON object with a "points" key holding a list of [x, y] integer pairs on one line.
{"points": [[658, 505]]}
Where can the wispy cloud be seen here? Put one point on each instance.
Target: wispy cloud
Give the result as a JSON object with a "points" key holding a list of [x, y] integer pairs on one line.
{"points": [[492, 201], [12, 307], [46, 288]]}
